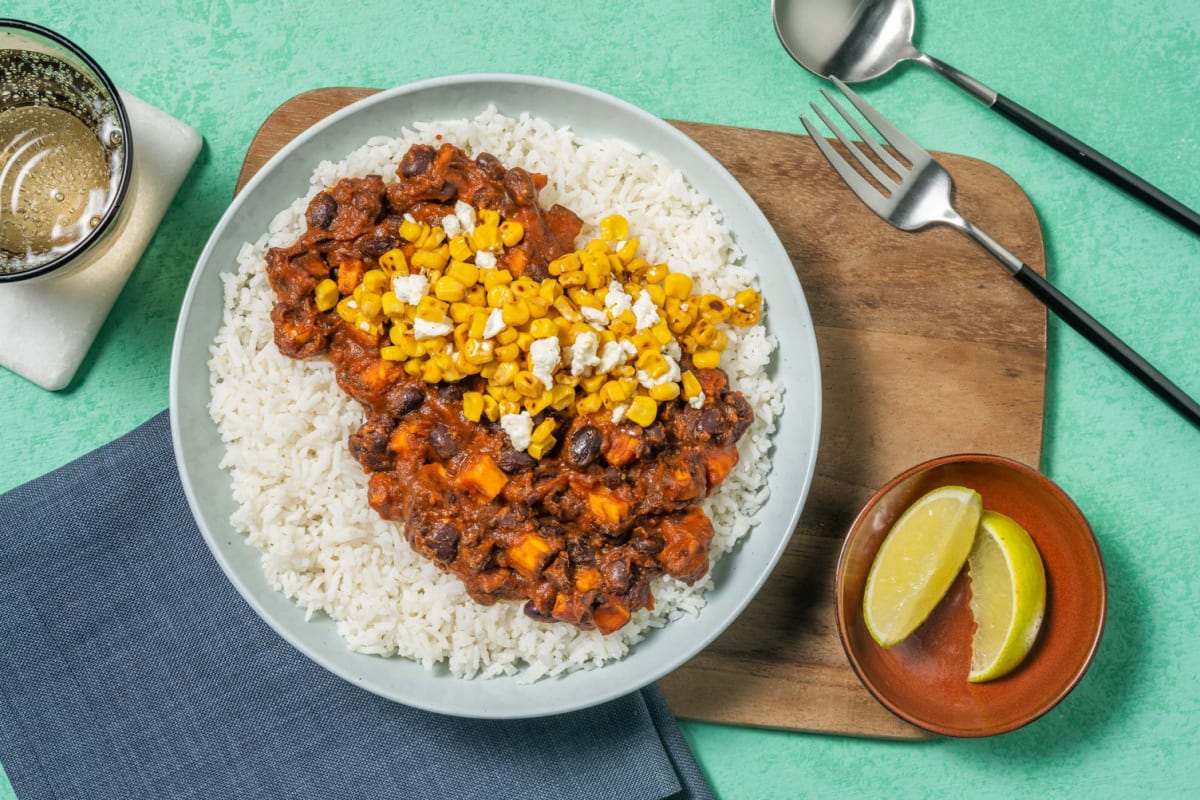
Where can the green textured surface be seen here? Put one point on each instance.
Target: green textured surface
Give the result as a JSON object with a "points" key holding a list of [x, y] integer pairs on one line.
{"points": [[1122, 75]]}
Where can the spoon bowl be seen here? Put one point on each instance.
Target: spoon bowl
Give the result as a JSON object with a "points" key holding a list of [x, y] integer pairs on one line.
{"points": [[852, 39]]}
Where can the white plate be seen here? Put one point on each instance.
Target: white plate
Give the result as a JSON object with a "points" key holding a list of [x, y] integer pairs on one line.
{"points": [[592, 115]]}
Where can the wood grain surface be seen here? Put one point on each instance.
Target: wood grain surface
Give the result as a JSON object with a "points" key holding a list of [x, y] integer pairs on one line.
{"points": [[927, 348]]}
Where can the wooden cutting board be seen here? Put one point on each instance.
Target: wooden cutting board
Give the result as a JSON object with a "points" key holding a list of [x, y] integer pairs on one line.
{"points": [[927, 348]]}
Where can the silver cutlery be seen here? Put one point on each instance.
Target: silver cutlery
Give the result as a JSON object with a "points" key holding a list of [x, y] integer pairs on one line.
{"points": [[917, 194], [857, 40]]}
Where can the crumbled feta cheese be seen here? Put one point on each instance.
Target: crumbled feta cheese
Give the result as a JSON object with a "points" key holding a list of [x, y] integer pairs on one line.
{"points": [[424, 329], [466, 215], [451, 225], [617, 300], [697, 401], [583, 353], [494, 324], [519, 428], [543, 357], [612, 356], [410, 289], [619, 412], [594, 315], [645, 311], [485, 259]]}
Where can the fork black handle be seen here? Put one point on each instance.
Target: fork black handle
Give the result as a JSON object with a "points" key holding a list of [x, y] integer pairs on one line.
{"points": [[1108, 342], [1098, 163]]}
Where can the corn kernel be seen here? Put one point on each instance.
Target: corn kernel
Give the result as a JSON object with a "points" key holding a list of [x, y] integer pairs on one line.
{"points": [[592, 383], [665, 392], [677, 285], [370, 306], [431, 259], [460, 248], [515, 313], [491, 408], [627, 251], [499, 296], [464, 273], [326, 295], [485, 237], [642, 410], [394, 261], [543, 328], [535, 405], [478, 351], [449, 289], [655, 273], [703, 332], [472, 405], [614, 226], [744, 317], [511, 232], [565, 308], [577, 278], [538, 450], [720, 341], [431, 373], [549, 290], [657, 294], [392, 353], [561, 397], [589, 404], [691, 385], [411, 230], [495, 277], [706, 359], [527, 385], [613, 393], [507, 336], [597, 247], [563, 264], [713, 308]]}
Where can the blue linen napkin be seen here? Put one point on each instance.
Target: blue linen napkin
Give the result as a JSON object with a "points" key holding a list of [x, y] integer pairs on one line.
{"points": [[131, 668]]}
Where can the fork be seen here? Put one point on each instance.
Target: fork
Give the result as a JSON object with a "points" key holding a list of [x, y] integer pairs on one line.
{"points": [[918, 195]]}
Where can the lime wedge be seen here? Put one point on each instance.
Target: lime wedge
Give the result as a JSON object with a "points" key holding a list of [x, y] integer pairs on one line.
{"points": [[1008, 596], [918, 561]]}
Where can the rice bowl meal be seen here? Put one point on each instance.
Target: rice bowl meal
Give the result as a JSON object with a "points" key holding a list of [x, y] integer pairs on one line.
{"points": [[503, 421]]}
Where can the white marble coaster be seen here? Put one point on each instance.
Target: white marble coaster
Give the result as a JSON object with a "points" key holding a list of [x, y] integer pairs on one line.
{"points": [[47, 327]]}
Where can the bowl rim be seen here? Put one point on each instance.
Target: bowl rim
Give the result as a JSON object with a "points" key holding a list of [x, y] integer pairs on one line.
{"points": [[117, 203], [631, 672], [840, 588]]}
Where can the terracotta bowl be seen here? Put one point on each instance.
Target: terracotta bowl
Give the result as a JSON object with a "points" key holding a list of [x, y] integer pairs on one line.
{"points": [[924, 679]]}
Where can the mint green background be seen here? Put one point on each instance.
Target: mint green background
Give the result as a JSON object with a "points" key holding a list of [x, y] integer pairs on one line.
{"points": [[1122, 75]]}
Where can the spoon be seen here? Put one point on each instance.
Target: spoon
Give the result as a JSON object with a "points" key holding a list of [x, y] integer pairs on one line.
{"points": [[857, 40]]}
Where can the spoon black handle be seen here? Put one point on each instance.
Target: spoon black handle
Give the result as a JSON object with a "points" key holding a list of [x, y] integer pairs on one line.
{"points": [[1098, 163], [1108, 342]]}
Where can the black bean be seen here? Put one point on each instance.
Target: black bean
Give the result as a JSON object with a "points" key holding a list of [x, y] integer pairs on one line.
{"points": [[444, 443], [584, 446], [743, 414], [442, 541], [416, 161], [613, 477], [375, 246], [450, 392], [512, 461], [369, 444], [616, 575], [711, 421], [490, 166], [520, 187], [404, 398], [531, 611], [321, 211]]}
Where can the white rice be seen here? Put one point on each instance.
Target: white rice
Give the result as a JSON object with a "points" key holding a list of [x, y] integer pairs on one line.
{"points": [[303, 498]]}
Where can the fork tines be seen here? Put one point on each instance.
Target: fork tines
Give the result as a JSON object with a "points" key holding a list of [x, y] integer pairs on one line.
{"points": [[906, 147]]}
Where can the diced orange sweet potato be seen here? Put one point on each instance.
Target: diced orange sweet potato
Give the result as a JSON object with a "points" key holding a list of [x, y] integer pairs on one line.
{"points": [[719, 463], [481, 474], [586, 579], [607, 507], [350, 274], [622, 449], [529, 554], [610, 616]]}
